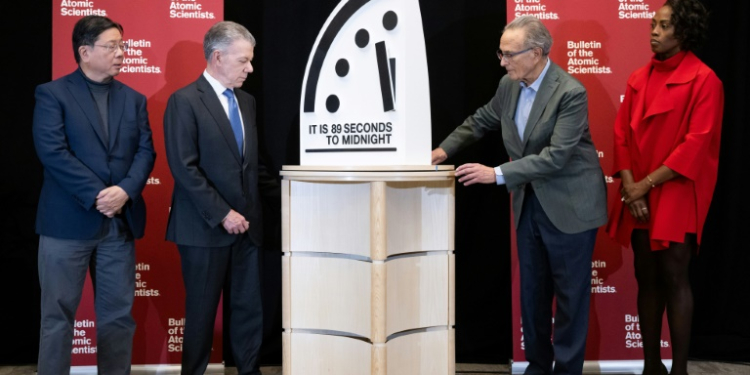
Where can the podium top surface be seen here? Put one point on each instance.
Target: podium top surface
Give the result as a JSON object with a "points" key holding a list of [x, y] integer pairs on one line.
{"points": [[369, 168], [368, 173]]}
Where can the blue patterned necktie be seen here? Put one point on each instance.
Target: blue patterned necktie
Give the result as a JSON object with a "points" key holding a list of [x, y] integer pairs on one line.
{"points": [[234, 118]]}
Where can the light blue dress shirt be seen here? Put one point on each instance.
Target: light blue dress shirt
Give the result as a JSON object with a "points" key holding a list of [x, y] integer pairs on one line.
{"points": [[523, 109]]}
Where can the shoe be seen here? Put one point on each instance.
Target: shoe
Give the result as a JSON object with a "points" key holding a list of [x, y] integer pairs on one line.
{"points": [[661, 370]]}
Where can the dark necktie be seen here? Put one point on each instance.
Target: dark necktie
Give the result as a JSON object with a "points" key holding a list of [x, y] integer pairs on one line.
{"points": [[234, 118]]}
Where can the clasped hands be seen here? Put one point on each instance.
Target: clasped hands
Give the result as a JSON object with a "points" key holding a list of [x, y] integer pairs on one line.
{"points": [[235, 223], [110, 201], [633, 194]]}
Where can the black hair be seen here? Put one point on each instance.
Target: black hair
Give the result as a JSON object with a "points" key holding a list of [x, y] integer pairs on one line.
{"points": [[88, 29], [690, 20]]}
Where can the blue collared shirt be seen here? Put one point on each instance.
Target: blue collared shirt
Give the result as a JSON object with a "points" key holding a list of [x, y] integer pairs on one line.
{"points": [[523, 109]]}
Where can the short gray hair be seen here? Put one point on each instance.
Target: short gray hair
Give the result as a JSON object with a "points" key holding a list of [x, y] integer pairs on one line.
{"points": [[537, 34], [222, 34]]}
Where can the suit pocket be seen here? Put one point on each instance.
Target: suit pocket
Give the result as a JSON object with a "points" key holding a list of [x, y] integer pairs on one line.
{"points": [[587, 196], [128, 132]]}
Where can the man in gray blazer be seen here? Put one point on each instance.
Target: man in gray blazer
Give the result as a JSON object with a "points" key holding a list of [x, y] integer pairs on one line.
{"points": [[212, 150], [557, 189]]}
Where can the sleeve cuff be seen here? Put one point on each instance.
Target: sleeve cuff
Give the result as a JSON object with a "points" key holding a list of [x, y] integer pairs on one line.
{"points": [[499, 176]]}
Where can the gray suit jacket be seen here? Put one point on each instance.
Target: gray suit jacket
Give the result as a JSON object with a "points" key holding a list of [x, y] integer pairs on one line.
{"points": [[556, 155], [210, 176]]}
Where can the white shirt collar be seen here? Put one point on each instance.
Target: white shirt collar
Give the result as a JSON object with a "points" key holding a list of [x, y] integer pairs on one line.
{"points": [[215, 84]]}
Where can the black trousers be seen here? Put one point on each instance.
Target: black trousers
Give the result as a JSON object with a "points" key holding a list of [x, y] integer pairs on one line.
{"points": [[553, 265], [205, 270]]}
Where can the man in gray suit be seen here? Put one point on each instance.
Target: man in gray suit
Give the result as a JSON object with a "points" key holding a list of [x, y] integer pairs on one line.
{"points": [[557, 188], [212, 150]]}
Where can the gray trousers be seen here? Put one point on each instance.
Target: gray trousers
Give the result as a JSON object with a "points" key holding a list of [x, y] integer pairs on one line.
{"points": [[63, 265]]}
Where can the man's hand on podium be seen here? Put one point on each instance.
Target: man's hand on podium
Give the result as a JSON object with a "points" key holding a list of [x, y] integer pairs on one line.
{"points": [[438, 156], [473, 173]]}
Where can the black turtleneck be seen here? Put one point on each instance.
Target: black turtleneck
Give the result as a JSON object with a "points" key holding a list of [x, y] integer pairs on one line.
{"points": [[100, 93]]}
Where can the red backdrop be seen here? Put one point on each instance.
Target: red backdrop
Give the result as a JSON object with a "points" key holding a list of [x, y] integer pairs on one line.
{"points": [[166, 53], [600, 43]]}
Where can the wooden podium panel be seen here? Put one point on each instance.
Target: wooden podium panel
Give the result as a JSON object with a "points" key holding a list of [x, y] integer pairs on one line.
{"points": [[331, 294], [331, 207], [419, 287], [424, 353], [328, 355], [368, 270], [417, 214]]}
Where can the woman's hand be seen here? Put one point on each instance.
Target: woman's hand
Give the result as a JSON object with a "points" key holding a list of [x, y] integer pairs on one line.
{"points": [[633, 191], [639, 209]]}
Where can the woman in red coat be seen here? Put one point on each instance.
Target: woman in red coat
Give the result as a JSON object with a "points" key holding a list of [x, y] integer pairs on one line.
{"points": [[666, 151]]}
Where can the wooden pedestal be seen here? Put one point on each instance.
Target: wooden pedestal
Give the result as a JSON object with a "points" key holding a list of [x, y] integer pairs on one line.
{"points": [[368, 270]]}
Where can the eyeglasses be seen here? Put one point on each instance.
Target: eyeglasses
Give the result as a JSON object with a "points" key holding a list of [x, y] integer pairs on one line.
{"points": [[114, 46], [511, 55]]}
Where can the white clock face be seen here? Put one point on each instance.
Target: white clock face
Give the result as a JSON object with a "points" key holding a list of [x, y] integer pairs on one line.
{"points": [[365, 96]]}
